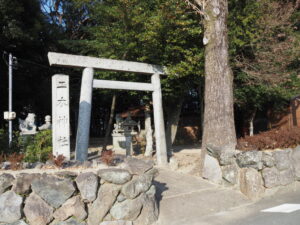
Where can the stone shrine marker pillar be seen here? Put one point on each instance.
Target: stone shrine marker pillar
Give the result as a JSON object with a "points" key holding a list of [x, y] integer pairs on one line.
{"points": [[60, 116]]}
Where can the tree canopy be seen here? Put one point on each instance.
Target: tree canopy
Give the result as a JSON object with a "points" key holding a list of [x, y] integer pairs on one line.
{"points": [[263, 46]]}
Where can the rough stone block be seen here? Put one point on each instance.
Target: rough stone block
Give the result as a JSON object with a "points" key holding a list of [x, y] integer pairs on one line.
{"points": [[267, 159], [117, 222], [282, 159], [138, 166], [107, 195], [251, 159], [296, 162], [55, 191], [121, 197], [287, 176], [149, 213], [22, 184], [66, 174], [225, 155], [251, 183], [127, 210], [87, 184], [72, 207], [10, 207], [19, 222], [70, 221], [230, 173], [151, 191], [271, 177], [136, 186], [115, 176], [6, 181], [37, 211], [212, 170]]}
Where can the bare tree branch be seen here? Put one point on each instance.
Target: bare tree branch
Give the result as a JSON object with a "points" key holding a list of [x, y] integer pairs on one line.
{"points": [[195, 6]]}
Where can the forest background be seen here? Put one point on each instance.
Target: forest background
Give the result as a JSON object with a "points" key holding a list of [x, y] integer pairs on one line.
{"points": [[264, 46]]}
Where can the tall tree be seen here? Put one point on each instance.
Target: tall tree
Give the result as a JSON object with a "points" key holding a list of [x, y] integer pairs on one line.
{"points": [[219, 128]]}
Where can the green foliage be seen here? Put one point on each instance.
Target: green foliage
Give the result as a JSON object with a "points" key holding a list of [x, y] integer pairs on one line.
{"points": [[4, 149], [19, 21], [163, 32], [251, 94], [3, 141], [266, 67], [25, 33], [243, 26], [38, 147]]}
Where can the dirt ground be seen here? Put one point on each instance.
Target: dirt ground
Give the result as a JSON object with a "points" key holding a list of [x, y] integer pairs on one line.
{"points": [[185, 157]]}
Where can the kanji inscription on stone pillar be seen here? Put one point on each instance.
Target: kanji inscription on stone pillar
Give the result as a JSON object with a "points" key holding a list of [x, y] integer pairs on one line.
{"points": [[60, 116]]}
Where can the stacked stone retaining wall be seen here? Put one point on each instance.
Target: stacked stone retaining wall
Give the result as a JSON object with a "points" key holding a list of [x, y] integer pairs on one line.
{"points": [[112, 196], [253, 172]]}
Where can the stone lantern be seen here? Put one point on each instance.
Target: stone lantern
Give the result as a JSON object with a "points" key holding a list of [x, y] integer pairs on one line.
{"points": [[123, 133]]}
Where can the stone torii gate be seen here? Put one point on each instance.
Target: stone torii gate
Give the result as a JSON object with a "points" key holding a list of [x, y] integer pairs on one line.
{"points": [[88, 83]]}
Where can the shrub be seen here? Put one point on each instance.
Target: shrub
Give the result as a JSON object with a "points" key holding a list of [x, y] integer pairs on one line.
{"points": [[3, 141], [4, 149], [276, 138], [57, 160], [15, 160], [38, 147], [107, 157]]}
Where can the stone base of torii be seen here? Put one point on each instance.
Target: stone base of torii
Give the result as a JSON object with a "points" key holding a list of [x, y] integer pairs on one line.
{"points": [[61, 142]]}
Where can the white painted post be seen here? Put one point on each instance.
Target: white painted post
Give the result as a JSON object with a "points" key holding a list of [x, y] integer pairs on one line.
{"points": [[60, 116], [161, 147], [148, 129], [84, 118]]}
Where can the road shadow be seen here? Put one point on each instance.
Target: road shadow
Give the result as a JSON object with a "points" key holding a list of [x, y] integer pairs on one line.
{"points": [[160, 188]]}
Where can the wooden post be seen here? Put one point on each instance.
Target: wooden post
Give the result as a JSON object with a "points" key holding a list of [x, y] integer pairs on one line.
{"points": [[294, 113], [84, 118], [161, 147]]}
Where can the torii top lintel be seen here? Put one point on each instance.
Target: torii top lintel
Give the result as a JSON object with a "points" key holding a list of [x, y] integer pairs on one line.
{"points": [[67, 60]]}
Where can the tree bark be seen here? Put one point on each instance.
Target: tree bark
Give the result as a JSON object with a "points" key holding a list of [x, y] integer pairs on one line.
{"points": [[172, 123], [110, 122], [219, 128]]}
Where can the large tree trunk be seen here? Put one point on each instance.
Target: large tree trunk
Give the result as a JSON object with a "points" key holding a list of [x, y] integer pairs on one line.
{"points": [[110, 122], [173, 114], [219, 129]]}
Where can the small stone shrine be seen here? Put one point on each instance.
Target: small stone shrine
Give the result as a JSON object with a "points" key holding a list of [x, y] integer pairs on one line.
{"points": [[122, 134], [27, 126]]}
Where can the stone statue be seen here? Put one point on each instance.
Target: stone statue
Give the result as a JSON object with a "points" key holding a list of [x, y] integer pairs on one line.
{"points": [[118, 125], [47, 125], [27, 126]]}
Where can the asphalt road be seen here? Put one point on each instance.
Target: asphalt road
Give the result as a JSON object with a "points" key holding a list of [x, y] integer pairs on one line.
{"points": [[254, 214]]}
